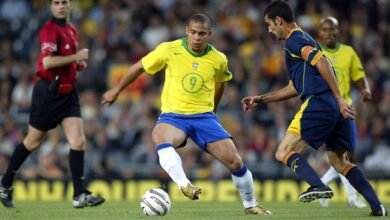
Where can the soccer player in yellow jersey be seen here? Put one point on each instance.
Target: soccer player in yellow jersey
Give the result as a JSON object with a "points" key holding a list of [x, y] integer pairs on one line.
{"points": [[195, 77], [348, 69]]}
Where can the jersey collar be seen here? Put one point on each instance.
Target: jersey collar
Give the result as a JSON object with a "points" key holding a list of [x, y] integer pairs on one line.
{"points": [[185, 45], [330, 50], [61, 22], [293, 30]]}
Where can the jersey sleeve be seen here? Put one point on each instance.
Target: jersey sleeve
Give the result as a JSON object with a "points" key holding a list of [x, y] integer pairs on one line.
{"points": [[357, 71], [224, 74], [48, 41], [155, 60], [300, 45]]}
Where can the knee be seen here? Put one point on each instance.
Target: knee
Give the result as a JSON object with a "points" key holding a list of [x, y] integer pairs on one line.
{"points": [[339, 167], [338, 160], [235, 164], [77, 143], [280, 154], [159, 136], [284, 150], [32, 144]]}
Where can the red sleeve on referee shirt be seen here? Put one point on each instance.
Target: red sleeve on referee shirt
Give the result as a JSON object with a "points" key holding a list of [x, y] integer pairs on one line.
{"points": [[48, 42]]}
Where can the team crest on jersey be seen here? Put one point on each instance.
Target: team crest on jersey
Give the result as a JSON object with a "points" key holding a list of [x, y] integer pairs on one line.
{"points": [[195, 65], [333, 60], [67, 47]]}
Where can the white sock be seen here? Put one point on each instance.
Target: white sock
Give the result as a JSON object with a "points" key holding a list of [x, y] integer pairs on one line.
{"points": [[170, 161], [244, 185], [351, 192], [330, 175]]}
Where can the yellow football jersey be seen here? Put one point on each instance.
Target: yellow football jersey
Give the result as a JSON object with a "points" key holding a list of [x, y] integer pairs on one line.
{"points": [[189, 78], [347, 65]]}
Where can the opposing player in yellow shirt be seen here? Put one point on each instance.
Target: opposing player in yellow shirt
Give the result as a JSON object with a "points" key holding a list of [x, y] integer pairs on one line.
{"points": [[348, 68], [195, 77]]}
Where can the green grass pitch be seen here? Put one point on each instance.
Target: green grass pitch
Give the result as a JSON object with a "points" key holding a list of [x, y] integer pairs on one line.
{"points": [[192, 210]]}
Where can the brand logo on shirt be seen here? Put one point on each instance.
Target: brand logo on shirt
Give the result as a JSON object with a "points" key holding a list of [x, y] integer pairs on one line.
{"points": [[176, 53], [49, 46], [67, 47], [195, 65]]}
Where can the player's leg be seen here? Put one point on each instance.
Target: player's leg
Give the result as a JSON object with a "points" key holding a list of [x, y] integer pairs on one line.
{"points": [[288, 153], [330, 175], [165, 138], [31, 142], [355, 176], [311, 125], [353, 199], [340, 143], [225, 151], [40, 122], [74, 132]]}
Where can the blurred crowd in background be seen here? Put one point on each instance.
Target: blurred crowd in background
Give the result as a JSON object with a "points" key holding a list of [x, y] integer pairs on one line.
{"points": [[120, 32]]}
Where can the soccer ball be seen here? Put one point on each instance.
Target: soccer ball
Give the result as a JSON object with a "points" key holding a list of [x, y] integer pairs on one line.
{"points": [[155, 202]]}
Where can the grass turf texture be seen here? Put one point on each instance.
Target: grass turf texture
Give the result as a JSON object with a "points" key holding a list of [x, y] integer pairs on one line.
{"points": [[180, 210]]}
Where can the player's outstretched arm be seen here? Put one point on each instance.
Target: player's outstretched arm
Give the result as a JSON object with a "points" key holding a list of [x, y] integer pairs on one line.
{"points": [[326, 71], [287, 92], [130, 76]]}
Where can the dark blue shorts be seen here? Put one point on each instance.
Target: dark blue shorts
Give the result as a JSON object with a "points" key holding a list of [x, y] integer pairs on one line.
{"points": [[201, 128], [48, 108], [319, 121]]}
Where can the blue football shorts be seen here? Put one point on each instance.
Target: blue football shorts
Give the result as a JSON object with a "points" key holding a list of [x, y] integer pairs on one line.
{"points": [[319, 121], [201, 128]]}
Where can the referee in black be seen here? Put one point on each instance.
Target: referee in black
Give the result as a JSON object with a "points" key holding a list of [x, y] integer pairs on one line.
{"points": [[55, 102]]}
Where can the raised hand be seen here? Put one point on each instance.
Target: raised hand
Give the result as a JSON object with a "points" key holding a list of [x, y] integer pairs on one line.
{"points": [[250, 102], [110, 96]]}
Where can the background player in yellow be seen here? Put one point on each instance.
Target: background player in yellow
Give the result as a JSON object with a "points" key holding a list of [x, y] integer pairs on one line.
{"points": [[195, 77], [349, 69]]}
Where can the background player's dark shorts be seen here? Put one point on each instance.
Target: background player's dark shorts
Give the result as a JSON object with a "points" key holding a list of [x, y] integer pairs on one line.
{"points": [[48, 108], [321, 122]]}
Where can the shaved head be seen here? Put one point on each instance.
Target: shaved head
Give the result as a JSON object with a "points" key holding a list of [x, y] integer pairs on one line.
{"points": [[330, 19], [329, 31]]}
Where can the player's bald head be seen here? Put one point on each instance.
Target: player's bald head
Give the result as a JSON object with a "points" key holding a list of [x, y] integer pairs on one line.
{"points": [[331, 20]]}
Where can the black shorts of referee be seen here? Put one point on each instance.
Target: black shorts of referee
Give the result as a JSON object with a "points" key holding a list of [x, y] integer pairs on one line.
{"points": [[49, 108]]}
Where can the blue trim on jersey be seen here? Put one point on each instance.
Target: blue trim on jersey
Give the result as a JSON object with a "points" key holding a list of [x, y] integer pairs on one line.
{"points": [[162, 146], [241, 172]]}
